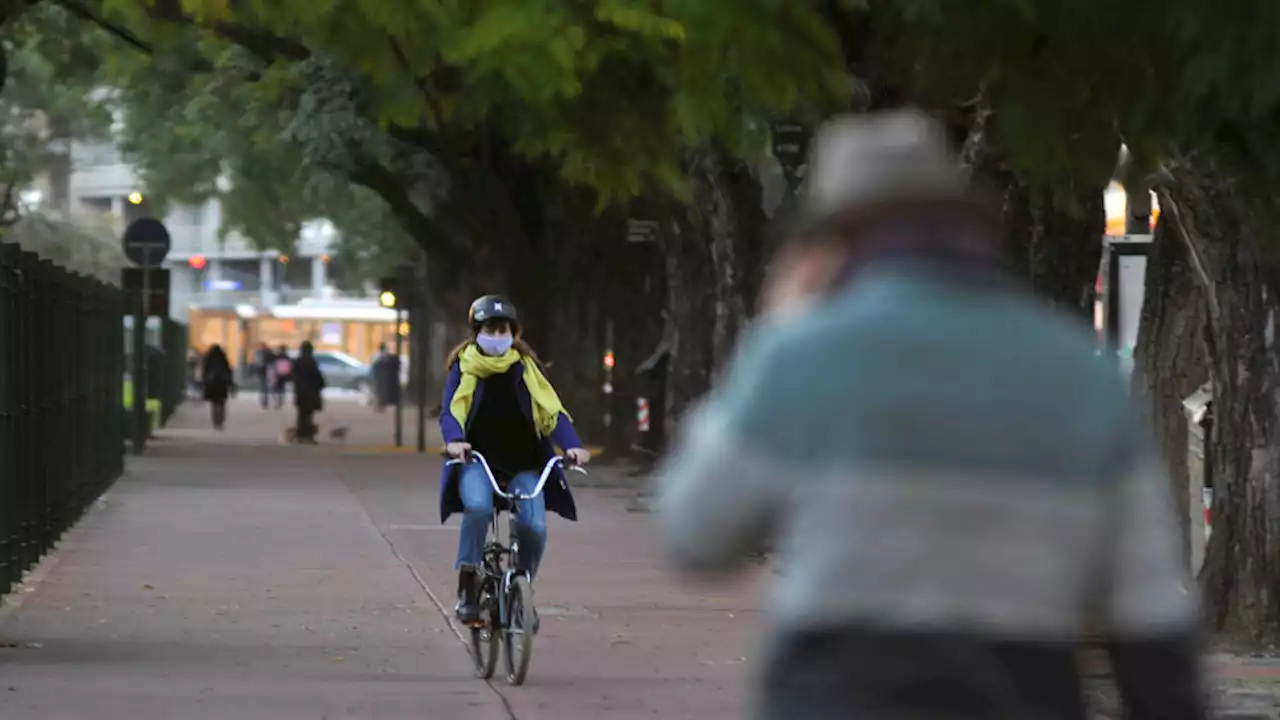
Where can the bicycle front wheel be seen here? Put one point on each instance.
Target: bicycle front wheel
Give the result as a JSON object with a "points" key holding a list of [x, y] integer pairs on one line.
{"points": [[517, 635]]}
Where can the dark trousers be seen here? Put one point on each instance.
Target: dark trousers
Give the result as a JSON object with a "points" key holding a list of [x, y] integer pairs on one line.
{"points": [[264, 392], [306, 427], [219, 410]]}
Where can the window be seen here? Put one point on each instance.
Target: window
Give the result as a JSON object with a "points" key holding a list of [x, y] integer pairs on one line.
{"points": [[96, 204], [188, 215], [94, 154]]}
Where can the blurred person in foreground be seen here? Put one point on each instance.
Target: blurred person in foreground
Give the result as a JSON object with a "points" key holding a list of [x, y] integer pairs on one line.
{"points": [[958, 488]]}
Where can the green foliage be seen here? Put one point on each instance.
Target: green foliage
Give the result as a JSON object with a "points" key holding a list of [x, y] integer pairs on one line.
{"points": [[372, 243], [47, 100], [615, 90], [213, 120], [1069, 80]]}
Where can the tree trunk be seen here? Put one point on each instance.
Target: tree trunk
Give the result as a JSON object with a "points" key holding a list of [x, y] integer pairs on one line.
{"points": [[1054, 240], [1051, 237], [572, 253], [712, 247], [726, 224], [1230, 261], [690, 322], [1169, 364]]}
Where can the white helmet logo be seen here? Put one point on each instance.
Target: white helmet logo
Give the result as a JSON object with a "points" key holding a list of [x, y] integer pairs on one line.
{"points": [[497, 306]]}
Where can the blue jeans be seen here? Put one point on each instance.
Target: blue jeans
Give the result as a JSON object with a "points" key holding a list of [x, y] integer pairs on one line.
{"points": [[477, 503]]}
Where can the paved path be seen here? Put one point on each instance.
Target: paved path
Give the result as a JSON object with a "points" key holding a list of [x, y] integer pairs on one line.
{"points": [[227, 576]]}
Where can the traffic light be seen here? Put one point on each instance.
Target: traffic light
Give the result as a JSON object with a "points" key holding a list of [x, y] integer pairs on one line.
{"points": [[197, 262], [387, 298]]}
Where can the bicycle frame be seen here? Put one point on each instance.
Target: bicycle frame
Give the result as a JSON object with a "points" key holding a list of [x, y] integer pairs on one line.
{"points": [[494, 550]]}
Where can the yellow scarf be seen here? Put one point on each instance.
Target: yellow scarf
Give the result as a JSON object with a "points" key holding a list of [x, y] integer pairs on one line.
{"points": [[476, 366]]}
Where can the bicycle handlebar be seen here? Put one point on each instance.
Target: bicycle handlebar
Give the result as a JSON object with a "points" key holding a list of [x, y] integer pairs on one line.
{"points": [[555, 461]]}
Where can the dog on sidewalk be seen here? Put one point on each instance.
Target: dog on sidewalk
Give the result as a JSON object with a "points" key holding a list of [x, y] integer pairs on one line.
{"points": [[289, 436]]}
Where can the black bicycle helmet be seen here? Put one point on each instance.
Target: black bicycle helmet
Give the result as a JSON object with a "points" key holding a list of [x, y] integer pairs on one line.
{"points": [[491, 307]]}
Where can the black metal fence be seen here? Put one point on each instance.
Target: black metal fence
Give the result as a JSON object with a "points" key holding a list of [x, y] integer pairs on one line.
{"points": [[61, 370]]}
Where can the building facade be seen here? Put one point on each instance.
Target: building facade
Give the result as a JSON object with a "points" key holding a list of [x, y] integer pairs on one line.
{"points": [[206, 269]]}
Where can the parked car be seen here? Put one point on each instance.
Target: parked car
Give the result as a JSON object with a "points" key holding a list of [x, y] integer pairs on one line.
{"points": [[342, 371]]}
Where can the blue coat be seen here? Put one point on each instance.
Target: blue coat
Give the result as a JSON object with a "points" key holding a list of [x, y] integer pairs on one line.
{"points": [[559, 498]]}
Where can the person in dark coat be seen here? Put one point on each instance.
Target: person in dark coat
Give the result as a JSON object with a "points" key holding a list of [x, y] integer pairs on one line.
{"points": [[218, 381], [497, 401], [263, 361], [308, 386], [386, 378]]}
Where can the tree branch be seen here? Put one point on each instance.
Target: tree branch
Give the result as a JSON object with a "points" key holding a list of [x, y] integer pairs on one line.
{"points": [[427, 232], [264, 44], [119, 31]]}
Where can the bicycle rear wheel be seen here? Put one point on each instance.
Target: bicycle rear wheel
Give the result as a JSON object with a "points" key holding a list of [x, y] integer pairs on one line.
{"points": [[484, 636], [517, 636]]}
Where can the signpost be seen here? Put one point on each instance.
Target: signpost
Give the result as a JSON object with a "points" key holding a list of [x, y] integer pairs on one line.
{"points": [[397, 293], [151, 284], [146, 243]]}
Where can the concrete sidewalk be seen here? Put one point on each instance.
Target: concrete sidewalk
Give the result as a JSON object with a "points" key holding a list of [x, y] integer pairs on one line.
{"points": [[227, 576], [217, 581]]}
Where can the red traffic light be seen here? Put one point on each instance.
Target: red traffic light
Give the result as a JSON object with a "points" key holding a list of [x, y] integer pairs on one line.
{"points": [[608, 359], [197, 261]]}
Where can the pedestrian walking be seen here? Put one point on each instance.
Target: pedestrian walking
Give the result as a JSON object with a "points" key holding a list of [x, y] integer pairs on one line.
{"points": [[308, 389], [219, 381], [281, 374], [957, 487], [263, 365], [386, 378]]}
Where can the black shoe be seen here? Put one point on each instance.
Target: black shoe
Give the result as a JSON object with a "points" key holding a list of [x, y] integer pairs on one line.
{"points": [[468, 609]]}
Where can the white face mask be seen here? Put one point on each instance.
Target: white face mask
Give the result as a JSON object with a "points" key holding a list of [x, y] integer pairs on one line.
{"points": [[494, 345]]}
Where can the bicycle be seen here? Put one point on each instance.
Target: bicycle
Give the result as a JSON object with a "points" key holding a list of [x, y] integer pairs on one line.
{"points": [[505, 595]]}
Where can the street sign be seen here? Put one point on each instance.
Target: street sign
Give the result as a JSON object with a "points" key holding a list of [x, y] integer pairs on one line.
{"points": [[155, 285], [791, 148], [639, 231], [146, 241]]}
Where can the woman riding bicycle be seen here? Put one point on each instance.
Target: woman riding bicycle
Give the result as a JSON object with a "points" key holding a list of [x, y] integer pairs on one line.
{"points": [[498, 402]]}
